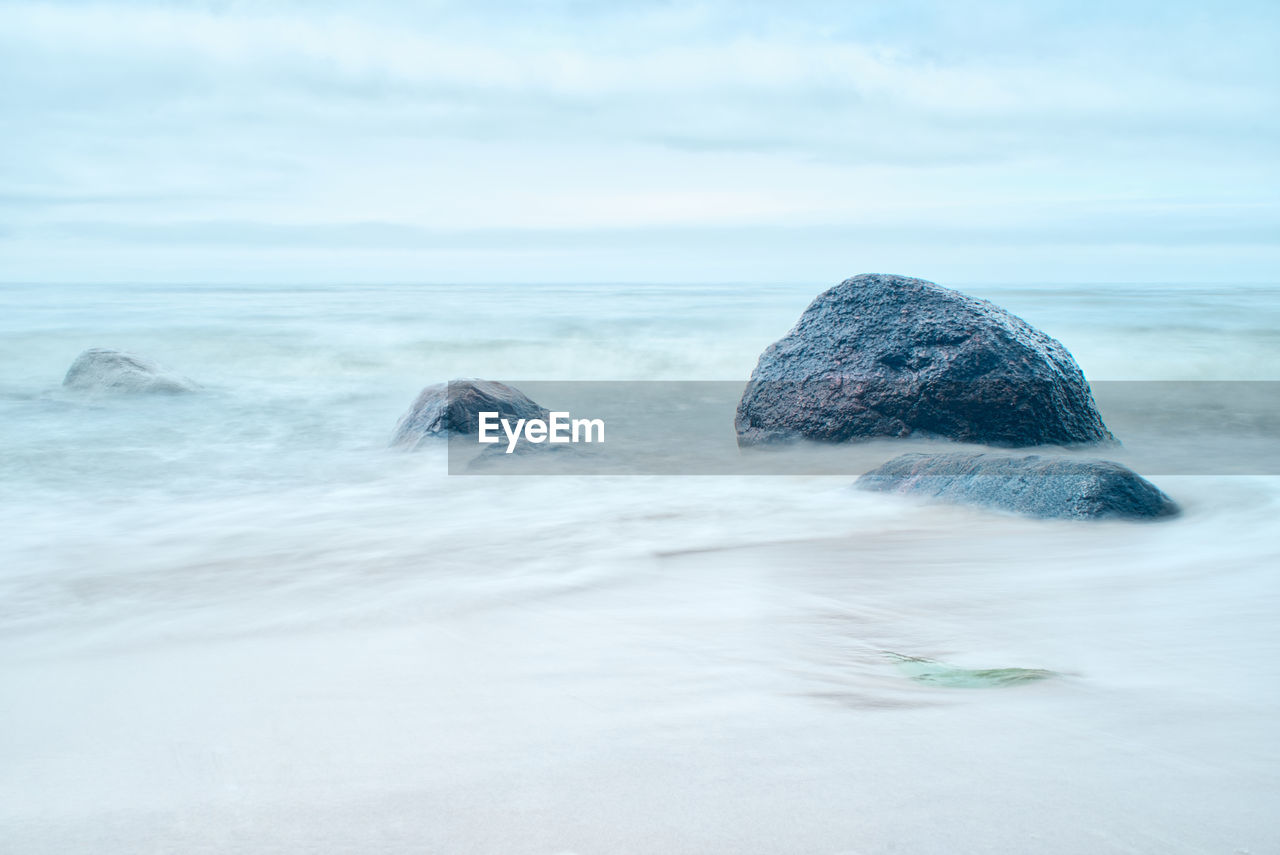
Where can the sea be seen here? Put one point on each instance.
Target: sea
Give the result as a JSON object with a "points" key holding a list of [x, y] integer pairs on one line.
{"points": [[237, 621]]}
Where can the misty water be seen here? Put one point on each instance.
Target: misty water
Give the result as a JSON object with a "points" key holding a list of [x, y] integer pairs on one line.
{"points": [[236, 621]]}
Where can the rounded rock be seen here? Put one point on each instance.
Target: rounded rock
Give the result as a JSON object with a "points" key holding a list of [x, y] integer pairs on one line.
{"points": [[891, 356], [101, 369]]}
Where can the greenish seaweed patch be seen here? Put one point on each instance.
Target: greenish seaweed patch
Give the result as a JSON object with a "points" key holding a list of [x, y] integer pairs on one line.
{"points": [[950, 676]]}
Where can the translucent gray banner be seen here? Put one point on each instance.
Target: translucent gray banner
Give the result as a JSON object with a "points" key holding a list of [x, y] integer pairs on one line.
{"points": [[687, 428]]}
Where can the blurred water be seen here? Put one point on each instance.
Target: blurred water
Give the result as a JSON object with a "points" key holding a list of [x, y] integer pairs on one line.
{"points": [[236, 621], [306, 383]]}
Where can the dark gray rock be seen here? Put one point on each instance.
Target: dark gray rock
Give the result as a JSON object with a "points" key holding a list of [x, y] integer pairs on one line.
{"points": [[1049, 487], [453, 408], [104, 370], [888, 356]]}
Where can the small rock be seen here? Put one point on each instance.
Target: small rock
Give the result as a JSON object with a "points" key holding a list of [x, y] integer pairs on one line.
{"points": [[1034, 485], [106, 370], [449, 408]]}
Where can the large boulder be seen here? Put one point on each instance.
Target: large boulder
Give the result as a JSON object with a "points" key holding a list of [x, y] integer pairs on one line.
{"points": [[888, 356], [453, 408], [101, 369], [1047, 487]]}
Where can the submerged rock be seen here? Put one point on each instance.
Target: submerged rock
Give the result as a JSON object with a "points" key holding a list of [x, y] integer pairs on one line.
{"points": [[103, 369], [934, 673], [449, 408], [1047, 487], [889, 356]]}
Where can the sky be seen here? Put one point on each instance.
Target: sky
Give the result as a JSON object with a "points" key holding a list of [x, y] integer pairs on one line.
{"points": [[384, 141]]}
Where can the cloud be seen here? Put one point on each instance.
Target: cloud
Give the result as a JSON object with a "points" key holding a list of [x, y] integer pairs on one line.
{"points": [[148, 118]]}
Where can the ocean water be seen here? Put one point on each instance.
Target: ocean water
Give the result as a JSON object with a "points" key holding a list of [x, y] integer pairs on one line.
{"points": [[238, 622]]}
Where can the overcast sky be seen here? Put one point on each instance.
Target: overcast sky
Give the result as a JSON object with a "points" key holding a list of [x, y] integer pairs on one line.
{"points": [[615, 141]]}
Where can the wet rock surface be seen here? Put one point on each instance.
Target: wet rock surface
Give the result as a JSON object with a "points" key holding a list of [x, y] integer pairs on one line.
{"points": [[1033, 485], [101, 369], [890, 356], [453, 408]]}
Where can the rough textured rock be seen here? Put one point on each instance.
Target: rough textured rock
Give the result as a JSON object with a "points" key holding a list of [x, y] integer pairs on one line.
{"points": [[452, 408], [1035, 485], [103, 369], [888, 356]]}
